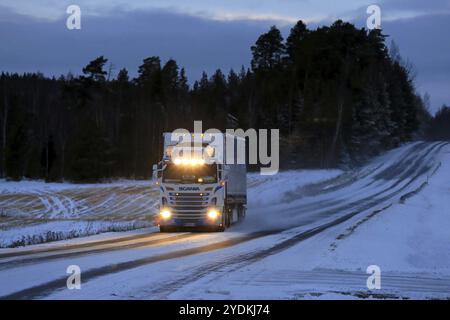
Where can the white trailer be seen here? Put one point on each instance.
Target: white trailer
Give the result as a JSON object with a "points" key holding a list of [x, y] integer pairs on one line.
{"points": [[199, 193]]}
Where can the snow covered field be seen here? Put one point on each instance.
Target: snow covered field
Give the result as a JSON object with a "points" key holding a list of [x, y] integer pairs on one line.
{"points": [[33, 212]]}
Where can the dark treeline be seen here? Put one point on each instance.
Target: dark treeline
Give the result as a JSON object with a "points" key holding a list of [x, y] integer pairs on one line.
{"points": [[439, 126], [337, 95]]}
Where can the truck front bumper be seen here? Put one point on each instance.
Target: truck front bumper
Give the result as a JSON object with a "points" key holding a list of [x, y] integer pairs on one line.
{"points": [[200, 222]]}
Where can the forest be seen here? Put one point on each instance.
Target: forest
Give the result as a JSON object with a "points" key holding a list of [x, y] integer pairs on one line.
{"points": [[337, 94]]}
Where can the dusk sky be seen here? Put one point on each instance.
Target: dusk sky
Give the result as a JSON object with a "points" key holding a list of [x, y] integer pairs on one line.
{"points": [[207, 35]]}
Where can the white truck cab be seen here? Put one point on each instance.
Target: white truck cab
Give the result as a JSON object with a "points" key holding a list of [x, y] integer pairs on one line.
{"points": [[198, 194]]}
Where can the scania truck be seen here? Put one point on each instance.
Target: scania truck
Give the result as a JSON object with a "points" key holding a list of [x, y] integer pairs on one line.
{"points": [[199, 192]]}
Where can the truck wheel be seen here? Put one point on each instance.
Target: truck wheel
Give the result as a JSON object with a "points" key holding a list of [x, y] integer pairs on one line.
{"points": [[242, 212], [228, 217], [225, 217]]}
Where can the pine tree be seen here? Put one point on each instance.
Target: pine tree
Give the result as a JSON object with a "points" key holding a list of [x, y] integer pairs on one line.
{"points": [[439, 128], [334, 92], [18, 143], [94, 70], [295, 40], [149, 72], [183, 81], [268, 50], [122, 76], [371, 122]]}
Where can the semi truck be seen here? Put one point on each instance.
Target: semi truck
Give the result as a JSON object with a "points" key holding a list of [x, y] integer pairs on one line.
{"points": [[197, 193]]}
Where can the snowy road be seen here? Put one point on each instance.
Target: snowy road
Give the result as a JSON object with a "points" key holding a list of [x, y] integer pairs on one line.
{"points": [[293, 244]]}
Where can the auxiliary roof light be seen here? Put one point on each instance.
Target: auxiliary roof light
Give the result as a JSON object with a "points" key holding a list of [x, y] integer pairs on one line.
{"points": [[189, 161]]}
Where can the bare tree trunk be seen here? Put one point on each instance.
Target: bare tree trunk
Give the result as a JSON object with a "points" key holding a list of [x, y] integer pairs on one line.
{"points": [[63, 158], [5, 123], [337, 130], [340, 107], [292, 87], [47, 167]]}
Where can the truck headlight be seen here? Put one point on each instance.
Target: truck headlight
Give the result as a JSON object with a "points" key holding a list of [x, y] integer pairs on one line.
{"points": [[165, 214], [213, 214]]}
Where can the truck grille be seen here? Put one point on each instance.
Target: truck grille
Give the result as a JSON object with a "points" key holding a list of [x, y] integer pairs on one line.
{"points": [[188, 205]]}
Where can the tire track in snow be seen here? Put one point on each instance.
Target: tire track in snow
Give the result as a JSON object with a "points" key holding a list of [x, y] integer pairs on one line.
{"points": [[96, 249], [45, 289], [94, 202], [82, 245], [351, 195], [394, 284], [235, 261]]}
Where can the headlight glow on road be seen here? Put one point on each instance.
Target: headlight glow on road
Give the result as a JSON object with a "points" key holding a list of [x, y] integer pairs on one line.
{"points": [[189, 161]]}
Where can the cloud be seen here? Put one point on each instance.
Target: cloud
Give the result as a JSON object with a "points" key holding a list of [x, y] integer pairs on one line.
{"points": [[282, 12], [279, 20], [197, 42], [126, 38], [423, 41], [419, 6]]}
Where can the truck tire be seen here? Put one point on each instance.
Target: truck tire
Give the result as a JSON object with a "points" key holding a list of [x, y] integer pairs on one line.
{"points": [[227, 217], [165, 229]]}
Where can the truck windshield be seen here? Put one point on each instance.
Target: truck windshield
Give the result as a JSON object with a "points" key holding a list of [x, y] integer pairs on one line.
{"points": [[187, 174]]}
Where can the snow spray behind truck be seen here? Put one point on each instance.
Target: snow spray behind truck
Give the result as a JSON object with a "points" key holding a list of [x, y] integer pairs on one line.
{"points": [[198, 189]]}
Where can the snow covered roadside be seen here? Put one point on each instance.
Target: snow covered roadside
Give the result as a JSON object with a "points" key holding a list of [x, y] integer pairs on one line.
{"points": [[413, 236], [61, 230]]}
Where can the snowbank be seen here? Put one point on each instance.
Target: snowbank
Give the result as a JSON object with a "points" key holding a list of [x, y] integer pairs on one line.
{"points": [[413, 236], [61, 230]]}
